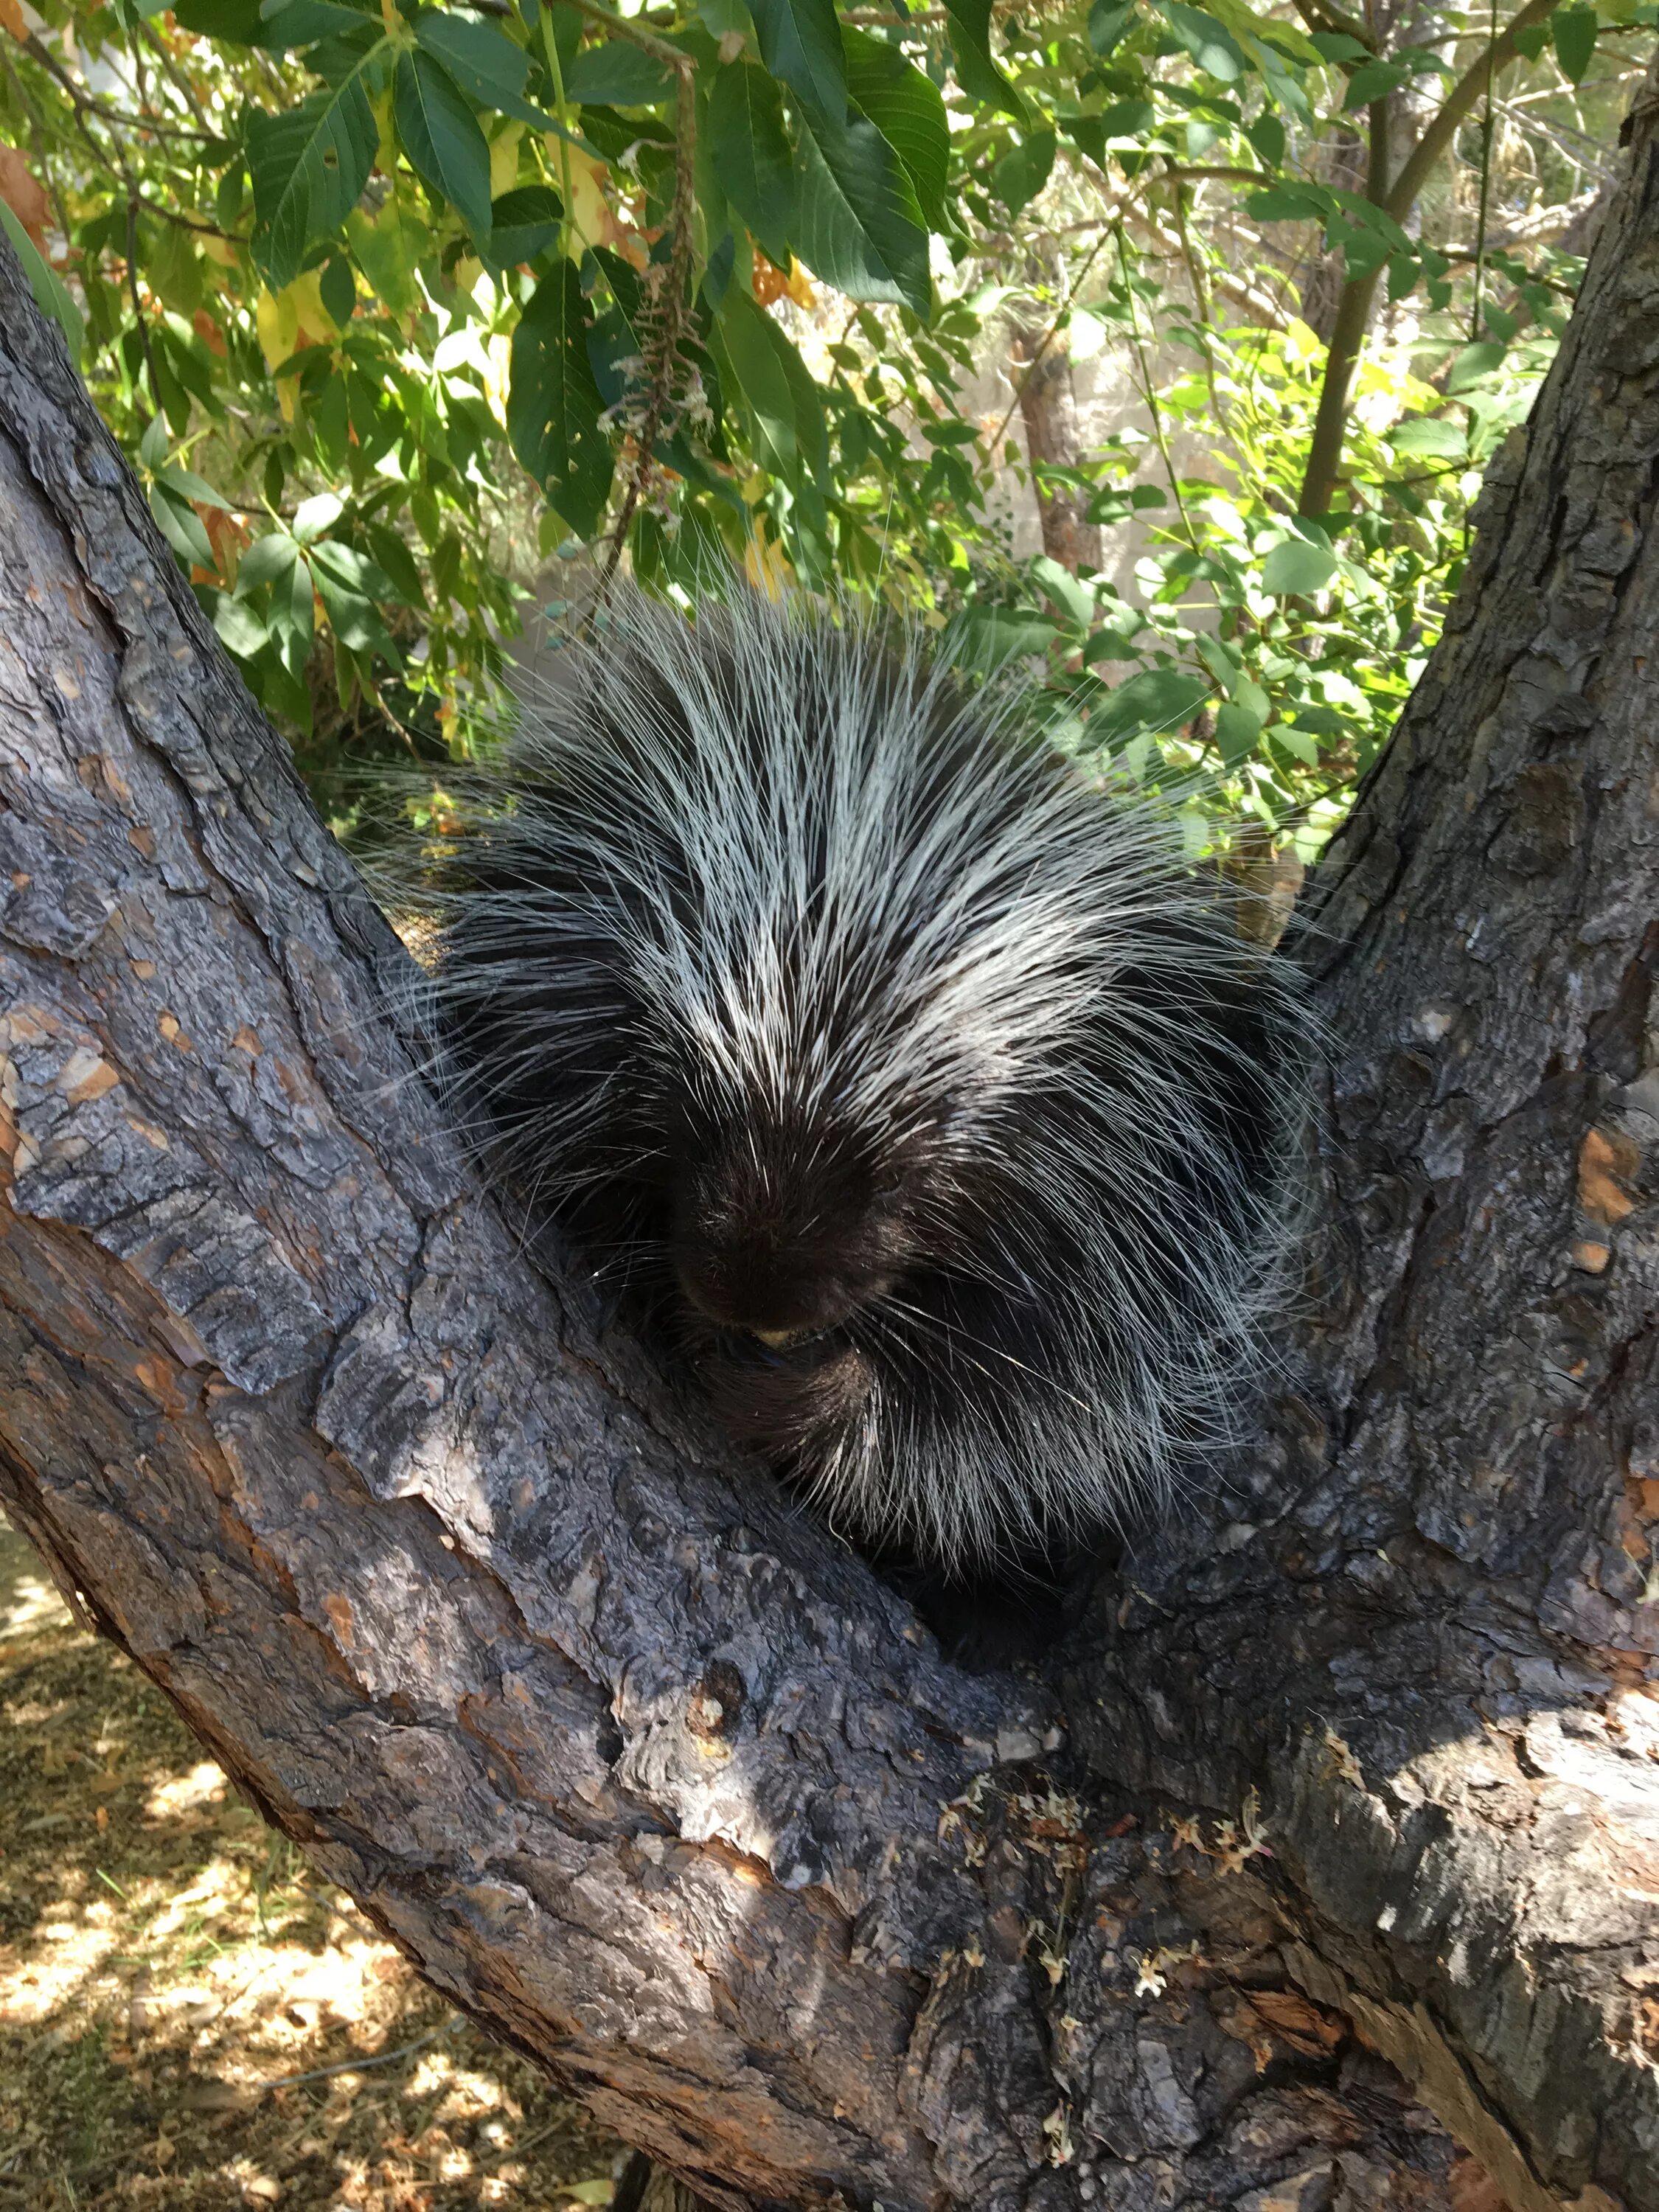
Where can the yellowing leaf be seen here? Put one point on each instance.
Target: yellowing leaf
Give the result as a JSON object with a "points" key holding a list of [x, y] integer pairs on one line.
{"points": [[277, 320], [764, 565], [504, 159], [292, 318], [592, 222]]}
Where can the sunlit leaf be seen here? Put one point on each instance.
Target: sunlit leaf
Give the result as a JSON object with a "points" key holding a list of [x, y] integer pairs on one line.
{"points": [[1295, 567]]}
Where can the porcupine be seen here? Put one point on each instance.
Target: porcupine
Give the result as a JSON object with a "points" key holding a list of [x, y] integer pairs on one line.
{"points": [[921, 1092]]}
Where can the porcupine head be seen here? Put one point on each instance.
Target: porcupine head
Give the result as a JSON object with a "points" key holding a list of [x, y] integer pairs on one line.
{"points": [[916, 1092]]}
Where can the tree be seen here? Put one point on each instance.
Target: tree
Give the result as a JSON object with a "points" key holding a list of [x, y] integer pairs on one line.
{"points": [[635, 1763], [391, 305]]}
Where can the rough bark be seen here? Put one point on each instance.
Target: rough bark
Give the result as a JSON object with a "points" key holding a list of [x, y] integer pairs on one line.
{"points": [[633, 1759], [1047, 411]]}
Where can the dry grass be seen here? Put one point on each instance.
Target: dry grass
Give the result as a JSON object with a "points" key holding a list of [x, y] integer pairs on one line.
{"points": [[167, 1967]]}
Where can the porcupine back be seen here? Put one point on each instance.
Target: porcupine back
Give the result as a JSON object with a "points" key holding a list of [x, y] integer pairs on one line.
{"points": [[917, 1092]]}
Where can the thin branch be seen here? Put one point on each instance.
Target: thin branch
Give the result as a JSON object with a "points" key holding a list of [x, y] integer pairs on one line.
{"points": [[622, 27], [31, 107], [674, 288], [1148, 390], [114, 117], [1325, 15], [181, 84], [362, 2065], [1439, 131], [133, 205], [1047, 339]]}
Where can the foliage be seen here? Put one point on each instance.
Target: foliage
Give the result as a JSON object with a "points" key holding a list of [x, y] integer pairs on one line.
{"points": [[357, 279]]}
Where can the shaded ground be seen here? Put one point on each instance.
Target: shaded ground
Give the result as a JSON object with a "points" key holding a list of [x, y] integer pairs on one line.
{"points": [[189, 2019]]}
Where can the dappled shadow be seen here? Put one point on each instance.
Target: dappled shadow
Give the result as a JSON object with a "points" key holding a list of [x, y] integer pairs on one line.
{"points": [[189, 2018]]}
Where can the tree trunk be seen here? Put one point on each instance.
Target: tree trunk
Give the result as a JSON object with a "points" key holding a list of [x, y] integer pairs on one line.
{"points": [[1048, 410], [630, 1757]]}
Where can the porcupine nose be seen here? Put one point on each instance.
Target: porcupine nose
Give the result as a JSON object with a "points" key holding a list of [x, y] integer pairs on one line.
{"points": [[769, 1286], [783, 1257]]}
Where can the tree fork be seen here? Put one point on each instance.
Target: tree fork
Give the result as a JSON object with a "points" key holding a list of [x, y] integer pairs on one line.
{"points": [[633, 1760]]}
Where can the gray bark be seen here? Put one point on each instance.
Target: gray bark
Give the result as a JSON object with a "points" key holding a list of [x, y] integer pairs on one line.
{"points": [[626, 1754]]}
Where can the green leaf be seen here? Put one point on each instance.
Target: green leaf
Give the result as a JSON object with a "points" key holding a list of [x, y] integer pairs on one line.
{"points": [[1573, 29], [1374, 80], [1075, 601], [1109, 645], [266, 560], [985, 638], [1212, 47], [976, 70], [761, 379], [351, 570], [1110, 23], [355, 621], [801, 42], [811, 430], [398, 563], [238, 627], [292, 617], [1290, 203], [860, 225], [153, 446], [1266, 134], [316, 514], [1469, 366], [523, 223], [553, 404], [1430, 436], [337, 290], [186, 484], [309, 165], [1337, 46], [1127, 118], [485, 63], [907, 109], [750, 154], [388, 246], [440, 133], [617, 74], [1296, 569], [51, 295], [1156, 700], [1023, 172], [246, 23], [1237, 729], [181, 526], [302, 22]]}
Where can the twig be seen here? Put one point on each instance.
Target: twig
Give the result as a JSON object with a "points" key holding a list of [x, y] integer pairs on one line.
{"points": [[132, 287], [1047, 339], [361, 2065], [673, 324], [84, 104], [1148, 392], [38, 137]]}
